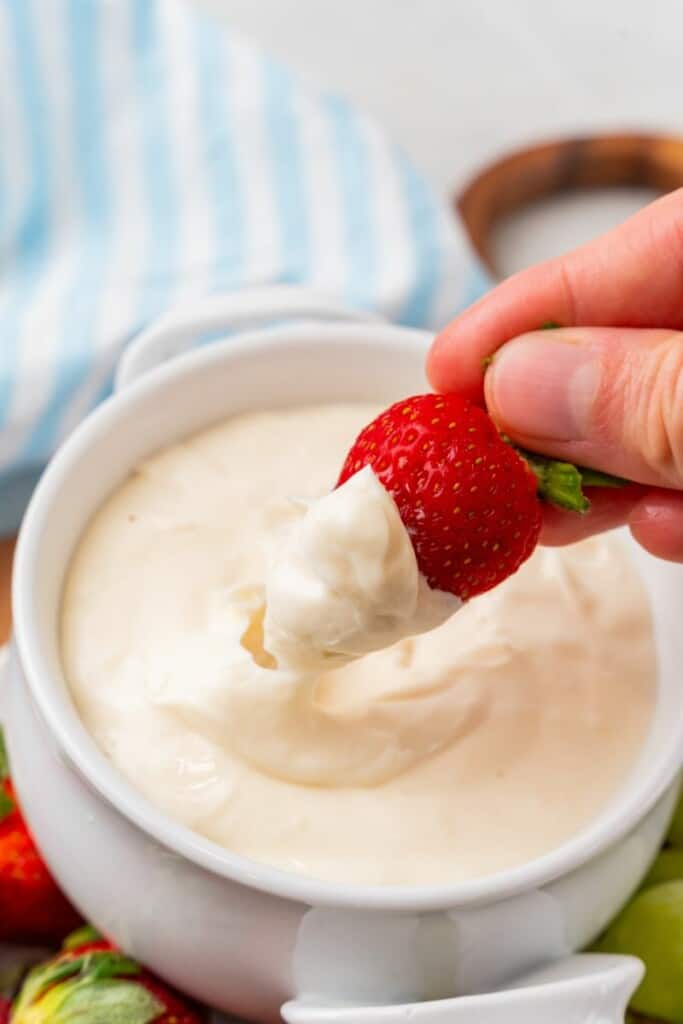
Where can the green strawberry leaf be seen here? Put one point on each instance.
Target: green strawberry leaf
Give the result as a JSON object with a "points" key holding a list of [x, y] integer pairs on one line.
{"points": [[559, 483], [90, 967], [549, 325], [4, 761], [7, 805], [81, 937], [42, 978], [594, 478], [108, 1002], [105, 964]]}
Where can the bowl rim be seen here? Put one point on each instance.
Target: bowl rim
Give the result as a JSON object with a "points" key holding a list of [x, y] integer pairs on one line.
{"points": [[81, 751]]}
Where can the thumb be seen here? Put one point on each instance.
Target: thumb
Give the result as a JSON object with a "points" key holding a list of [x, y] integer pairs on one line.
{"points": [[609, 398]]}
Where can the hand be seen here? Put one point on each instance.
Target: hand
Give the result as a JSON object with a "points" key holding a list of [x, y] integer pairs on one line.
{"points": [[605, 389]]}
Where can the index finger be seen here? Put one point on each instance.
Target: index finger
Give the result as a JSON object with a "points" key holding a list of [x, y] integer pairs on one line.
{"points": [[630, 277]]}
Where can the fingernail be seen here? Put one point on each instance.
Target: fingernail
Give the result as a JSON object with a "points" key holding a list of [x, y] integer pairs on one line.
{"points": [[542, 388]]}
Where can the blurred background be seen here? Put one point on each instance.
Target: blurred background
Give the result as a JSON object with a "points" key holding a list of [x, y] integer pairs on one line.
{"points": [[459, 81]]}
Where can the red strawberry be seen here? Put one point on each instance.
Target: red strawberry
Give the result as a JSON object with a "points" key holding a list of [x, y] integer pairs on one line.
{"points": [[468, 499], [32, 908], [4, 1011], [91, 980]]}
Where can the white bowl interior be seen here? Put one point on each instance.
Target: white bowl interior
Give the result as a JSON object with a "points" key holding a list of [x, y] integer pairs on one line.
{"points": [[286, 366]]}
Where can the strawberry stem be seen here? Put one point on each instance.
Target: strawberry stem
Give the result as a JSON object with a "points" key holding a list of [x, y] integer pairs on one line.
{"points": [[562, 483]]}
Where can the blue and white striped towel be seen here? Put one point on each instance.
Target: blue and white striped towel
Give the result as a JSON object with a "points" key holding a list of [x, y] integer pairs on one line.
{"points": [[148, 157]]}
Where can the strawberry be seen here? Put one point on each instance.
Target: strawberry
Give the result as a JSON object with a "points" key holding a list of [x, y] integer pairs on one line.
{"points": [[469, 500], [93, 982], [32, 908], [4, 1011]]}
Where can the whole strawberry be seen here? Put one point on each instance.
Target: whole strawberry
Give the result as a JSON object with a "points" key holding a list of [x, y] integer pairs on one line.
{"points": [[468, 499], [4, 1011], [32, 908], [93, 982]]}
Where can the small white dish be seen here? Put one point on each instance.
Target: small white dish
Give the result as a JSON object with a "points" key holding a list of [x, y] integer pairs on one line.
{"points": [[243, 936]]}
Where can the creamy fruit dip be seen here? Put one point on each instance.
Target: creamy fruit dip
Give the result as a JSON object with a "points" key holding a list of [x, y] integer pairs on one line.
{"points": [[242, 652]]}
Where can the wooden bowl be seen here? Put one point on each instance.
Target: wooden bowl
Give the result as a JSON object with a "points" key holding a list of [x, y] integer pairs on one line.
{"points": [[526, 175], [6, 553]]}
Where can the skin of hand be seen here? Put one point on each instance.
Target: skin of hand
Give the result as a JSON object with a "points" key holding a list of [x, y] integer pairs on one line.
{"points": [[604, 389]]}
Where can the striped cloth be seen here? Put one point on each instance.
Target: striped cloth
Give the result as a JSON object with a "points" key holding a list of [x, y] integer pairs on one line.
{"points": [[149, 156]]}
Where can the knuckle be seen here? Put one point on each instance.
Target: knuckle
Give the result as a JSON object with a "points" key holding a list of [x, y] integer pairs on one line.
{"points": [[568, 291], [653, 407]]}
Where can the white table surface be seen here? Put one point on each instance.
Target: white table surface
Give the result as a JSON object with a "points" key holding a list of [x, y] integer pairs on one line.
{"points": [[458, 81]]}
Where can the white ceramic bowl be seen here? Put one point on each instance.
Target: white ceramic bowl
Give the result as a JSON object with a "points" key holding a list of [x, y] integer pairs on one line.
{"points": [[241, 935]]}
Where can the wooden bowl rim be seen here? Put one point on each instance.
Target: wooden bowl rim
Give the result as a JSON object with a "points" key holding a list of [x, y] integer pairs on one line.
{"points": [[525, 175]]}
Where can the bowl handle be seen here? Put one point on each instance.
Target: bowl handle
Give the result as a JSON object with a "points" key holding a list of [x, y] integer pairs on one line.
{"points": [[188, 325], [571, 991]]}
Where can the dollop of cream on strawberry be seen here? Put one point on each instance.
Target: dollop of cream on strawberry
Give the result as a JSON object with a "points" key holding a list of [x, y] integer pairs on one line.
{"points": [[343, 580]]}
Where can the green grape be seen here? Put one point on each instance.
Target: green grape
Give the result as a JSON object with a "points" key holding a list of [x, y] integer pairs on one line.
{"points": [[651, 927], [667, 868], [675, 835]]}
